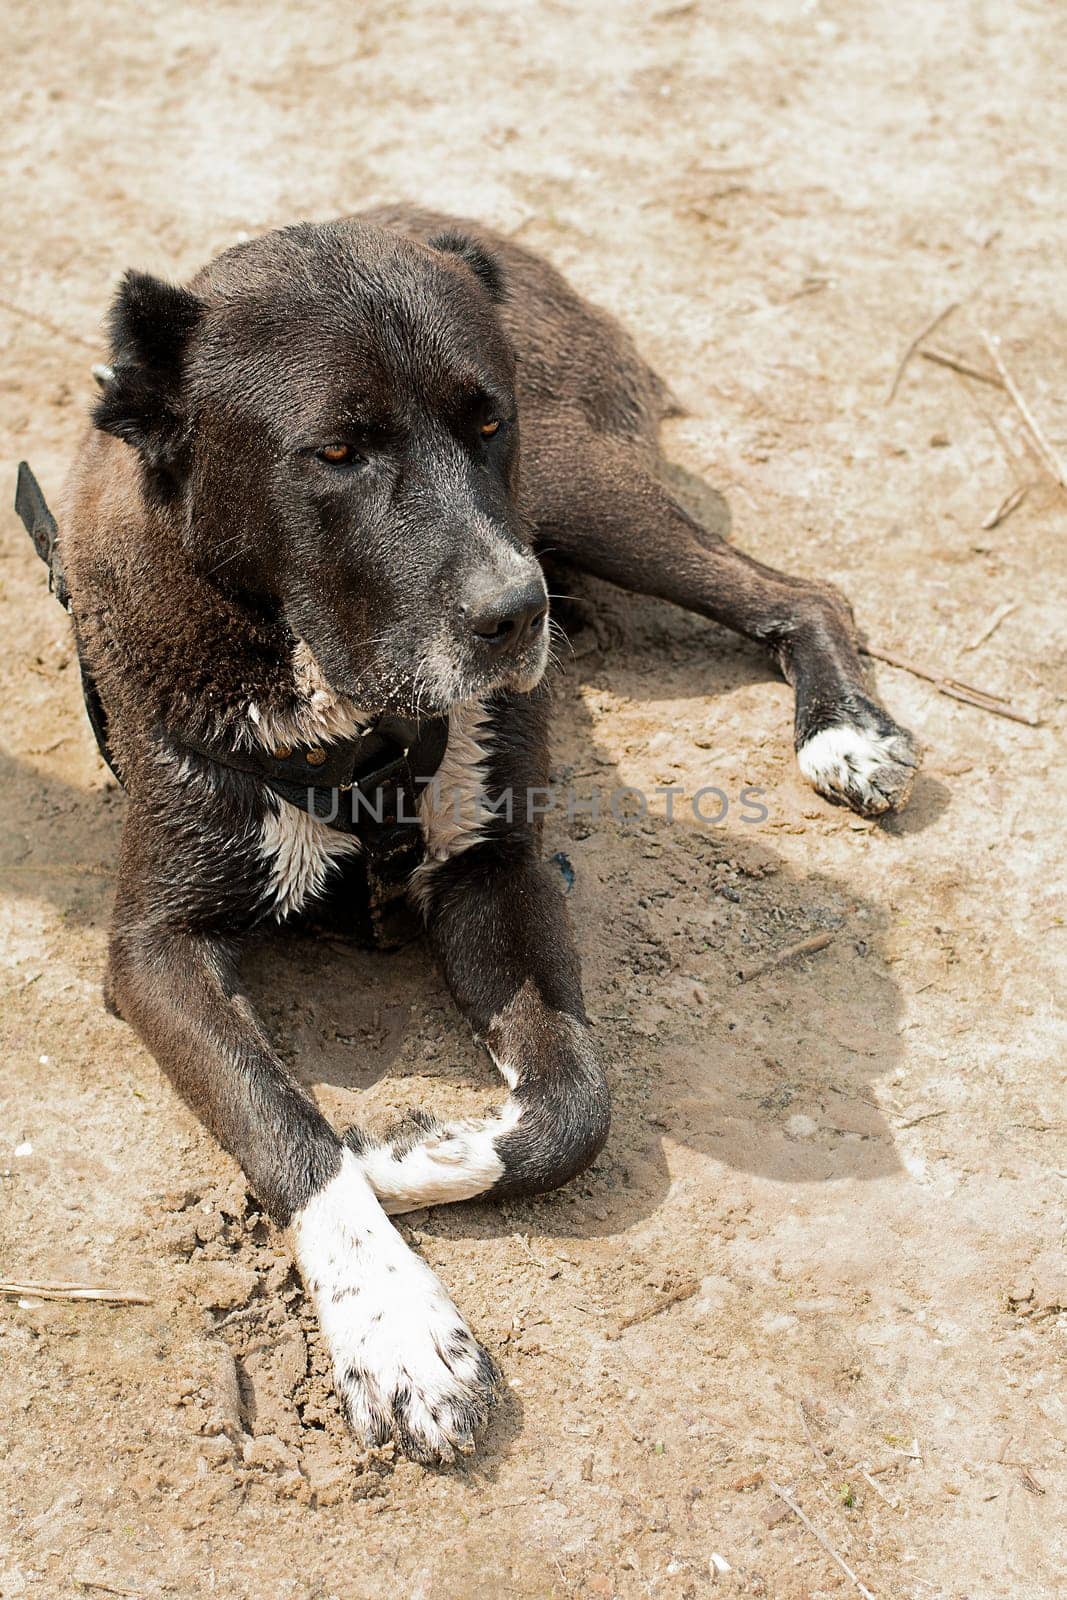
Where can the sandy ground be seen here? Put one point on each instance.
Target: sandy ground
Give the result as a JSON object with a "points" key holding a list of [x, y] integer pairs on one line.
{"points": [[821, 1250]]}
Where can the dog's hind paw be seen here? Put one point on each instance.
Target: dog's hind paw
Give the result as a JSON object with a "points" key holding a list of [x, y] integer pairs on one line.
{"points": [[866, 762]]}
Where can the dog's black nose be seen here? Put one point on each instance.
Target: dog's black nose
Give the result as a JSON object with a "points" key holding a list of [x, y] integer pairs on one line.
{"points": [[512, 618]]}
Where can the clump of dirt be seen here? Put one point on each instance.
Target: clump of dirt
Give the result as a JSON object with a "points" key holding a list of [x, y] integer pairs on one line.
{"points": [[261, 1399]]}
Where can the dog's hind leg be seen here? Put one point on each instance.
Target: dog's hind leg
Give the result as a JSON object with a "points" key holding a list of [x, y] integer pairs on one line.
{"points": [[602, 506]]}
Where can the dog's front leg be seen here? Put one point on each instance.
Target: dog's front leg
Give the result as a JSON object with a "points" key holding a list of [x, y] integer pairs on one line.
{"points": [[405, 1363], [499, 928]]}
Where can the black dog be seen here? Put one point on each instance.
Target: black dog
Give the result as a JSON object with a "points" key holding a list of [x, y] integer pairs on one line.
{"points": [[302, 567]]}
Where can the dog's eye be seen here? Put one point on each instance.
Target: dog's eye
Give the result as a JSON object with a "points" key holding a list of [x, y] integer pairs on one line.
{"points": [[488, 429], [339, 455]]}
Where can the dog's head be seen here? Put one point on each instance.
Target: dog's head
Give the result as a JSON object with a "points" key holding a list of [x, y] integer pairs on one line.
{"points": [[327, 415]]}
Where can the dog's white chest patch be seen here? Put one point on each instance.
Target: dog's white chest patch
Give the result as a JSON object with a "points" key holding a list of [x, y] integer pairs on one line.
{"points": [[452, 808], [299, 852], [315, 714]]}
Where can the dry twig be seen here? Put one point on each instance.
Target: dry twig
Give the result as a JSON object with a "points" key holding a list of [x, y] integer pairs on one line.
{"points": [[1011, 502], [920, 338], [924, 1116], [953, 688], [890, 1499], [76, 1291], [823, 1540], [992, 623], [108, 1588], [1041, 444], [43, 322], [258, 1307], [41, 869], [816, 1452], [943, 358], [683, 1291], [806, 947]]}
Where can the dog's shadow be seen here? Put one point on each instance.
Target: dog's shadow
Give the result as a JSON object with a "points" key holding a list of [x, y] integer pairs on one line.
{"points": [[712, 1063], [771, 1074]]}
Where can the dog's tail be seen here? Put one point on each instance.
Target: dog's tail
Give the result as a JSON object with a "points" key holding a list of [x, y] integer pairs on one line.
{"points": [[551, 1126]]}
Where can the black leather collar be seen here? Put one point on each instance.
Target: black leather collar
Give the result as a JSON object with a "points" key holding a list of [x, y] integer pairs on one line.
{"points": [[367, 787], [358, 785]]}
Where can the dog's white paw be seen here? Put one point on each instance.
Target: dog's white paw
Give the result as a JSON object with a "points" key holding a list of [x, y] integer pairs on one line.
{"points": [[406, 1366], [868, 766], [424, 1163]]}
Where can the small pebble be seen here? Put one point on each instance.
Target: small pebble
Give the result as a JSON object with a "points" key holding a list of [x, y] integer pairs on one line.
{"points": [[216, 1448], [801, 1127], [269, 1452], [209, 1228], [566, 869]]}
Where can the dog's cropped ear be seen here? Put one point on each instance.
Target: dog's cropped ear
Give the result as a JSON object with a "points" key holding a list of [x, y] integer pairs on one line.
{"points": [[482, 262], [150, 323]]}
